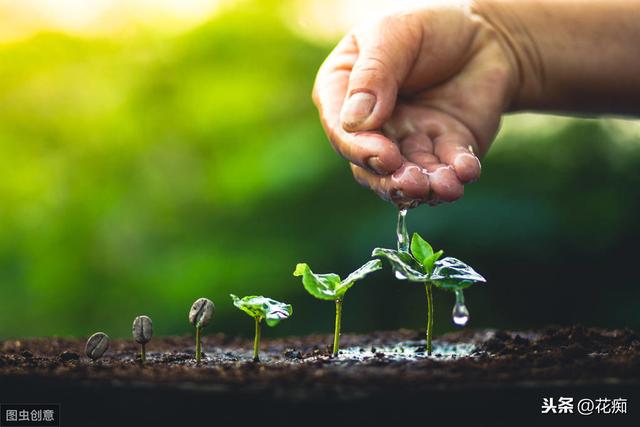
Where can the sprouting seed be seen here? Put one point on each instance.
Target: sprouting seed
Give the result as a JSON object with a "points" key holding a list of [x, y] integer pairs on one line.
{"points": [[200, 315], [142, 330], [262, 308], [97, 345]]}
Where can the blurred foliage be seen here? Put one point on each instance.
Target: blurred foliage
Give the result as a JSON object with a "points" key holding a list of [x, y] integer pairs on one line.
{"points": [[139, 173]]}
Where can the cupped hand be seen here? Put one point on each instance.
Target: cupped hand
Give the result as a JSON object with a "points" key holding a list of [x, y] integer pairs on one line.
{"points": [[414, 99]]}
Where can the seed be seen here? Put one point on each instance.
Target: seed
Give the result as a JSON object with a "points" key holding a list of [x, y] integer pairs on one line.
{"points": [[142, 329], [97, 344], [201, 312]]}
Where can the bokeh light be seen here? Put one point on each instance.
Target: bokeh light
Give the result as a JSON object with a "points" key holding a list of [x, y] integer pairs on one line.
{"points": [[152, 152]]}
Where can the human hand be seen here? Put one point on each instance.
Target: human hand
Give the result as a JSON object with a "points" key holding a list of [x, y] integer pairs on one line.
{"points": [[413, 99]]}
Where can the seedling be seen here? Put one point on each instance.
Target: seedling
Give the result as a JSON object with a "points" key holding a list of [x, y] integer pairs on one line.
{"points": [[260, 308], [97, 345], [421, 264], [331, 288], [142, 330], [200, 316]]}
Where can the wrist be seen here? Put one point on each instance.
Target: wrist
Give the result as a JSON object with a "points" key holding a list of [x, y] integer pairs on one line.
{"points": [[501, 19]]}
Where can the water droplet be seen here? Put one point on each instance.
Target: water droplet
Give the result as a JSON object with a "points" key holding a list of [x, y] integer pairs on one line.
{"points": [[399, 275], [460, 314], [460, 311], [401, 231]]}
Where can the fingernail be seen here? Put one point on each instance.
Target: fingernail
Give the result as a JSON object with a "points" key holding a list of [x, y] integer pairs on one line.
{"points": [[356, 109], [460, 158], [375, 164], [467, 166]]}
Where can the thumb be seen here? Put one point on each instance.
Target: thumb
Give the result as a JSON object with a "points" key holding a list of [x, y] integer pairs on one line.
{"points": [[386, 52]]}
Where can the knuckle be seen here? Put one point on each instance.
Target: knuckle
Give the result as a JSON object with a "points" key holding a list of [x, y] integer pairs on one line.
{"points": [[373, 65]]}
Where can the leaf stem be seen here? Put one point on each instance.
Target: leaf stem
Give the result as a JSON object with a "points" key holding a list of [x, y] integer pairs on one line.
{"points": [[336, 333], [428, 286], [198, 346], [143, 354], [256, 342]]}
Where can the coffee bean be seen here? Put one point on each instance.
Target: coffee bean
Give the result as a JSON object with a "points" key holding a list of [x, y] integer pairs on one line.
{"points": [[97, 344], [142, 329], [201, 312]]}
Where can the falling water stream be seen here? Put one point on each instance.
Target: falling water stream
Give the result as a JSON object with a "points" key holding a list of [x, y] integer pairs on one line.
{"points": [[401, 230], [403, 238]]}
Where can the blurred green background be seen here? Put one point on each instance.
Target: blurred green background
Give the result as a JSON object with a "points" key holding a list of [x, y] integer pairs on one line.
{"points": [[141, 170]]}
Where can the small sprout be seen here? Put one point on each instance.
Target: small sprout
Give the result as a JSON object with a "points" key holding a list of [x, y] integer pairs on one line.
{"points": [[200, 316], [97, 345], [142, 331], [260, 308], [331, 288], [421, 264]]}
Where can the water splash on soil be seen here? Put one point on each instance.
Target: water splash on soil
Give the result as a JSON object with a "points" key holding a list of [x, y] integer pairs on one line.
{"points": [[407, 351]]}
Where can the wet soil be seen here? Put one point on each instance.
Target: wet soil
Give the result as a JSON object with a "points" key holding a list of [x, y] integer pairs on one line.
{"points": [[384, 376]]}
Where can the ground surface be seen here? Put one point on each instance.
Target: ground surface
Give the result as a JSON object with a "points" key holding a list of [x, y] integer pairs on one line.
{"points": [[380, 376]]}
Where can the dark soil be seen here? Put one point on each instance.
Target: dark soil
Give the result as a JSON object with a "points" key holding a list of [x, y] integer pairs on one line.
{"points": [[383, 376]]}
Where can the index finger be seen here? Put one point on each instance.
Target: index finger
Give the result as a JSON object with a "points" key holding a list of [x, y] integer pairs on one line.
{"points": [[371, 149]]}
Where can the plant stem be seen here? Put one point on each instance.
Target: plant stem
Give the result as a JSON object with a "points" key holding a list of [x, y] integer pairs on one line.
{"points": [[198, 345], [256, 342], [143, 354], [428, 287], [336, 333]]}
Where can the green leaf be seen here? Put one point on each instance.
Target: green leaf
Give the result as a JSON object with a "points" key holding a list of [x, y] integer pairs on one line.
{"points": [[420, 248], [404, 263], [361, 273], [321, 286], [260, 307], [428, 263], [423, 252], [452, 274]]}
